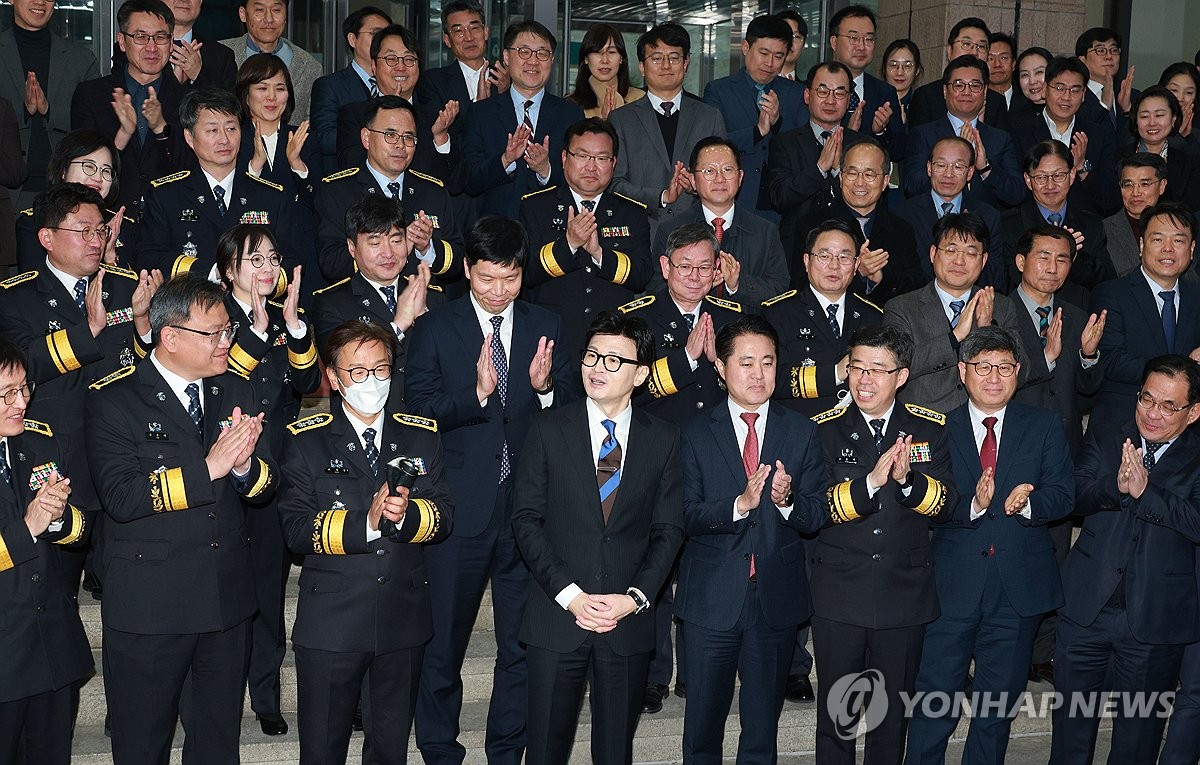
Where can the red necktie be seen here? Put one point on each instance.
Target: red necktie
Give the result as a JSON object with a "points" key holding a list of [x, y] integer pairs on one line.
{"points": [[750, 458], [987, 452]]}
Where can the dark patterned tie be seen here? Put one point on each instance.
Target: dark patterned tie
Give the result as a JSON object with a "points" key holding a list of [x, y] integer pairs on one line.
{"points": [[825, 135], [947, 208], [5, 471], [719, 229], [501, 365], [877, 429], [194, 409], [1054, 219], [956, 307], [608, 469], [759, 92], [667, 108], [854, 101], [219, 193], [81, 295], [589, 205], [831, 313], [1168, 317], [1043, 312], [371, 450], [389, 296], [374, 88], [690, 318], [1148, 456], [394, 187], [527, 120]]}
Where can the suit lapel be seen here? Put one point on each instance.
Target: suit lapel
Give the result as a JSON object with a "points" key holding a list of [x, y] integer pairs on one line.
{"points": [[371, 299], [347, 443], [213, 396], [1145, 301], [206, 202], [633, 467], [59, 300], [10, 58], [645, 113], [963, 438], [168, 403], [726, 441], [1010, 441], [578, 439]]}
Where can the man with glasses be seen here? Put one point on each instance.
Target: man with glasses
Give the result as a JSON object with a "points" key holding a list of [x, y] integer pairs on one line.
{"points": [[191, 61], [799, 35], [1142, 179], [470, 77], [940, 315], [1107, 100], [137, 107], [389, 135], [265, 22], [592, 244], [993, 560], [343, 510], [873, 107], [997, 179], [872, 582], [513, 143], [752, 265], [174, 447], [969, 37]]}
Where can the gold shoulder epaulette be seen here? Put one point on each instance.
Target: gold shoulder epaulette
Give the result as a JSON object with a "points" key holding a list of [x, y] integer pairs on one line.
{"points": [[27, 211], [630, 199], [118, 271], [13, 281], [926, 414], [335, 284], [310, 423], [429, 178], [37, 426], [641, 302], [265, 182], [778, 298], [170, 178], [862, 299], [831, 414], [728, 305], [435, 288], [121, 373], [340, 175], [539, 191], [415, 421]]}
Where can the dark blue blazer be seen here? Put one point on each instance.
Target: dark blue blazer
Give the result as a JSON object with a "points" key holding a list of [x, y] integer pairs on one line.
{"points": [[489, 124], [921, 215], [1004, 186], [736, 98], [279, 171], [1150, 541], [715, 566], [1099, 192], [446, 83], [330, 93], [1033, 449], [877, 93], [440, 383]]}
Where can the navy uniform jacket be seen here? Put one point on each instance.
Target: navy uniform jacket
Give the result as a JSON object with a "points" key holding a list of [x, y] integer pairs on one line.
{"points": [[351, 119], [806, 377], [714, 569], [278, 171], [43, 641], [32, 256], [1148, 543], [675, 391], [872, 565], [330, 93], [335, 195], [559, 525], [355, 595], [569, 283], [1033, 449], [488, 125], [1003, 187], [169, 526], [443, 350]]}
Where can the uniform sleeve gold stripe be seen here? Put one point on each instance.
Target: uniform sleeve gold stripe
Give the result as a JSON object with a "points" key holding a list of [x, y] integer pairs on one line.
{"points": [[264, 478], [934, 499], [182, 265], [661, 384], [174, 493], [307, 358], [78, 524], [242, 360], [449, 252], [623, 266], [61, 352], [841, 503], [6, 561], [331, 532], [430, 520], [549, 264], [804, 382]]}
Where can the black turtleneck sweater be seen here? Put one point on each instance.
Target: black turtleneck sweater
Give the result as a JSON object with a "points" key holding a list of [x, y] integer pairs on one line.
{"points": [[34, 50]]}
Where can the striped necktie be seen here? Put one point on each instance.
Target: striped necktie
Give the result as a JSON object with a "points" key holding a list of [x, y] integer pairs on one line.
{"points": [[608, 469]]}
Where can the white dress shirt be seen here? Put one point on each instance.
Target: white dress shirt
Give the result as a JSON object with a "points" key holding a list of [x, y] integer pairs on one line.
{"points": [[506, 335], [980, 432], [471, 77], [359, 426], [657, 102], [742, 431]]}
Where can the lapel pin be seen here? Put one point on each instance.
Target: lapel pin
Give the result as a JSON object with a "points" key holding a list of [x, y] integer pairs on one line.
{"points": [[350, 446], [52, 303], [392, 446], [673, 325], [126, 357], [54, 326], [154, 427], [161, 396], [242, 200], [200, 199], [215, 390], [854, 436]]}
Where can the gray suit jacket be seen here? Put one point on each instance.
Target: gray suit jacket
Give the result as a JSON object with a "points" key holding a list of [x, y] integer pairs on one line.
{"points": [[933, 377], [1122, 246], [643, 167], [304, 70]]}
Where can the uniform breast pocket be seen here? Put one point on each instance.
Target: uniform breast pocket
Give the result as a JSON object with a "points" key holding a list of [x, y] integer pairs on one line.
{"points": [[319, 581], [140, 551], [158, 452]]}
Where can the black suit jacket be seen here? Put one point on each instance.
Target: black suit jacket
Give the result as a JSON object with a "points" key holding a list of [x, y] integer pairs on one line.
{"points": [[560, 528], [1183, 170], [1092, 264], [1099, 192], [929, 105], [1002, 188], [446, 83], [876, 93], [448, 168], [219, 69], [922, 216], [278, 171], [329, 94]]}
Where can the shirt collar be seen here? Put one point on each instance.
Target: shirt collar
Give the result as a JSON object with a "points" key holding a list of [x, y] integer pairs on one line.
{"points": [[596, 417], [816, 130], [1032, 305], [946, 297], [363, 74], [380, 285], [1156, 288], [176, 383], [225, 183], [136, 88], [937, 202], [825, 302], [858, 84], [957, 124], [1054, 128], [886, 416], [485, 318], [1096, 87], [381, 179], [657, 102], [579, 200], [67, 280], [977, 416], [283, 50], [736, 411], [519, 101], [359, 426], [726, 216], [1046, 212], [188, 36]]}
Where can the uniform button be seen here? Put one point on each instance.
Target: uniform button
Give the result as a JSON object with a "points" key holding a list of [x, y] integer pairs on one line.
{"points": [[212, 516], [699, 404], [587, 290], [381, 551], [746, 556], [587, 310], [1135, 539], [991, 516], [507, 420], [877, 532], [753, 524], [265, 402], [876, 556], [36, 577], [383, 580], [400, 370], [138, 556], [588, 269], [984, 553], [215, 545], [41, 609]]}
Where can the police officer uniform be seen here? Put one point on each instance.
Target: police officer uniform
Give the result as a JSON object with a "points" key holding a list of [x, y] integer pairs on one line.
{"points": [[569, 282], [808, 349], [871, 574], [336, 193], [45, 650], [31, 255], [364, 603]]}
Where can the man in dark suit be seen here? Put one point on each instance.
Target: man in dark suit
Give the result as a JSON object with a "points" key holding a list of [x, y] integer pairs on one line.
{"points": [[433, 228], [1151, 311], [872, 581], [754, 480], [873, 108], [752, 264], [142, 118], [1002, 61], [1132, 599], [1182, 745], [513, 140], [618, 542], [1107, 100], [363, 608], [997, 173], [950, 167], [355, 82], [660, 130], [757, 105], [43, 635], [469, 77], [194, 60], [993, 560], [800, 178], [179, 419], [1142, 179], [969, 37], [482, 366], [593, 244]]}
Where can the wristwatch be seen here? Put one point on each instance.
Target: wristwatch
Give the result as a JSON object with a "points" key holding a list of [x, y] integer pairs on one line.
{"points": [[1086, 167], [638, 600]]}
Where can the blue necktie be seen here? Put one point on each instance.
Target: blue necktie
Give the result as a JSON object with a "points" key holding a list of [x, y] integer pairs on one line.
{"points": [[608, 469], [371, 450], [1168, 317], [831, 312], [81, 295], [194, 410], [1043, 312], [1149, 455], [877, 427], [219, 193], [854, 100], [947, 208], [1054, 219], [957, 307], [394, 187], [389, 297], [501, 365], [759, 92]]}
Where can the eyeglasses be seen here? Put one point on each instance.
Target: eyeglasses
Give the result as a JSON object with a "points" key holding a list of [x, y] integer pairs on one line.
{"points": [[1100, 50], [1062, 90], [853, 174], [393, 138], [941, 166], [470, 30], [686, 269], [393, 60], [88, 233], [710, 172], [383, 372], [958, 86], [1041, 179], [1147, 402], [870, 373], [967, 46], [144, 38], [612, 362], [223, 335], [1142, 184], [905, 66], [524, 52], [258, 261], [984, 368], [827, 257], [856, 40], [954, 252], [824, 91], [90, 169], [659, 58], [584, 157], [25, 391]]}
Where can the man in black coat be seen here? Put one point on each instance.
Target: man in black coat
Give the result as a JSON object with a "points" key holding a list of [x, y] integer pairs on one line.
{"points": [[469, 77], [195, 60], [969, 37]]}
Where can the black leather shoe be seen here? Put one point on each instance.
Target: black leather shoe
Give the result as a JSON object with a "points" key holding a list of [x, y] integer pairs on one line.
{"points": [[272, 724], [1042, 672], [680, 689], [652, 701], [799, 690], [92, 584]]}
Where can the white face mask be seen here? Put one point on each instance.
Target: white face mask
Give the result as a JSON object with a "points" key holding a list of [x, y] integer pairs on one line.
{"points": [[368, 396]]}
